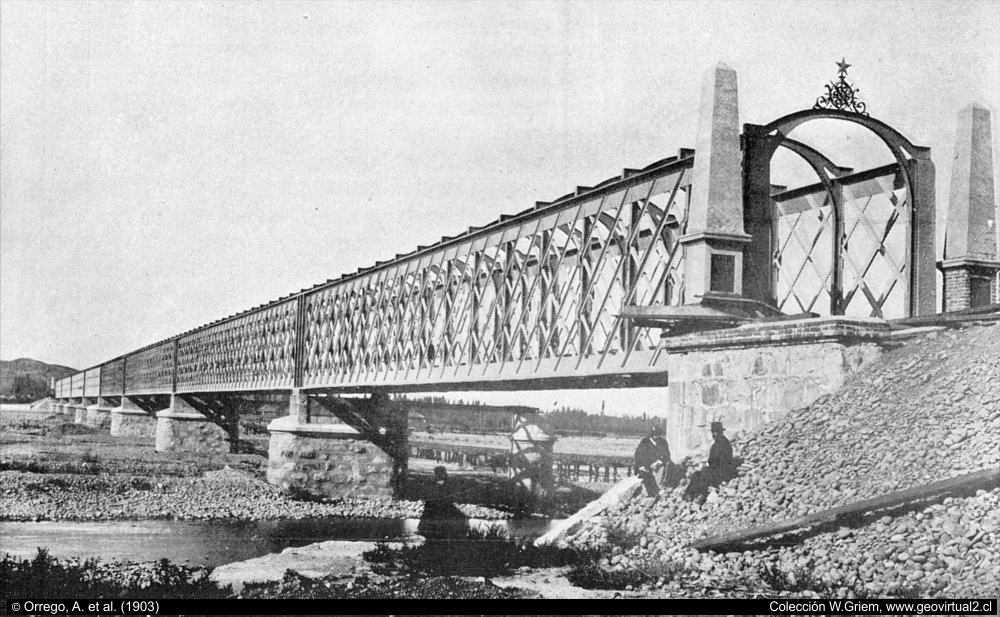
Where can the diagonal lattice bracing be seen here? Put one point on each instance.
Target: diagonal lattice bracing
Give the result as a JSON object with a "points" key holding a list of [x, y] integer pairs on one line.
{"points": [[804, 262], [535, 296], [877, 240], [872, 252]]}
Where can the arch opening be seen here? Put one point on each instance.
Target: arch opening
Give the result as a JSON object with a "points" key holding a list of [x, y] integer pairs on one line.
{"points": [[843, 244]]}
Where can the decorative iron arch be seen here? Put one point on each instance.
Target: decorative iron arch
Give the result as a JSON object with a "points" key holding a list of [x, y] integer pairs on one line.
{"points": [[779, 129], [914, 164]]}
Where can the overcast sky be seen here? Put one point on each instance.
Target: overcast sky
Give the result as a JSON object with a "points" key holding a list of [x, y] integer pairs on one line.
{"points": [[167, 164]]}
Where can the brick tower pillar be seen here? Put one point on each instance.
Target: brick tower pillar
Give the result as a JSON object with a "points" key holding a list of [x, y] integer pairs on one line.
{"points": [[970, 263]]}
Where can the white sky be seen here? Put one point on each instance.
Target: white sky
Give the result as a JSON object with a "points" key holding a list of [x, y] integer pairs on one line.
{"points": [[163, 165]]}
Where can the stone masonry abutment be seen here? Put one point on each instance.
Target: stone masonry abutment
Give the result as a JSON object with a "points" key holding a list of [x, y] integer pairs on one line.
{"points": [[747, 376]]}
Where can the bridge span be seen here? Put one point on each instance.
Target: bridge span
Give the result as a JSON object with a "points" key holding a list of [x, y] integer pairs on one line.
{"points": [[753, 299]]}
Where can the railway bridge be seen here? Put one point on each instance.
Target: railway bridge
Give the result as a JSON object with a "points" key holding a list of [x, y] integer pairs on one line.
{"points": [[696, 271]]}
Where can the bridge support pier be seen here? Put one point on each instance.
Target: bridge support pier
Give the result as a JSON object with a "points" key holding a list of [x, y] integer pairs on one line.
{"points": [[131, 420], [80, 411], [99, 414], [62, 407], [183, 428], [747, 376], [335, 447], [531, 457]]}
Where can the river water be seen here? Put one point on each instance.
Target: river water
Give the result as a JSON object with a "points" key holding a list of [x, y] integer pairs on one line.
{"points": [[213, 543]]}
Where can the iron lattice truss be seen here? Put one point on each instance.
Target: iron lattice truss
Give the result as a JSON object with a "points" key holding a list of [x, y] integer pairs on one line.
{"points": [[849, 259], [534, 296], [538, 296]]}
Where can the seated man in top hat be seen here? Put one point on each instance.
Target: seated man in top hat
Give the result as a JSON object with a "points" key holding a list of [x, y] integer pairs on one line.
{"points": [[721, 466], [651, 459]]}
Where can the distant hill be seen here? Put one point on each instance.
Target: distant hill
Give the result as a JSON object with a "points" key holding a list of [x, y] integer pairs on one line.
{"points": [[27, 379]]}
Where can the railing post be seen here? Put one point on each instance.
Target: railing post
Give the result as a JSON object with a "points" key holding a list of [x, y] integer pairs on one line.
{"points": [[173, 379], [583, 315], [298, 356], [837, 286]]}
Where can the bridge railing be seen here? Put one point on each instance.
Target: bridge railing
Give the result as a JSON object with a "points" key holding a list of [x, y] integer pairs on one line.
{"points": [[113, 377], [537, 295]]}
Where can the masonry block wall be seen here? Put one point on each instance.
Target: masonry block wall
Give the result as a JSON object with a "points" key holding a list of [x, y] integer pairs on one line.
{"points": [[132, 423], [327, 463], [181, 434], [748, 376]]}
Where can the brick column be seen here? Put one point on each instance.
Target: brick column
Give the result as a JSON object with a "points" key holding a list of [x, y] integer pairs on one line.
{"points": [[970, 265]]}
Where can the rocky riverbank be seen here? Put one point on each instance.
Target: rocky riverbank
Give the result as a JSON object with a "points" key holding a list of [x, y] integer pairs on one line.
{"points": [[929, 410]]}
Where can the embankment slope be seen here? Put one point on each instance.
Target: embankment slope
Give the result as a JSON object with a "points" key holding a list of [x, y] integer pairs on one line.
{"points": [[928, 410]]}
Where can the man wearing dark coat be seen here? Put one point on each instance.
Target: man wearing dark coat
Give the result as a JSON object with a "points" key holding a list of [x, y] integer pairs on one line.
{"points": [[721, 466], [720, 458], [651, 459]]}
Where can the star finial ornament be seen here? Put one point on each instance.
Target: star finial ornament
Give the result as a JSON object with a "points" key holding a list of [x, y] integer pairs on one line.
{"points": [[841, 95]]}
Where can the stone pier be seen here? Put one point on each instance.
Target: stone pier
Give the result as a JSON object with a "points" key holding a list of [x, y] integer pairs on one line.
{"points": [[182, 428], [331, 446], [131, 420], [753, 374], [80, 410], [99, 414]]}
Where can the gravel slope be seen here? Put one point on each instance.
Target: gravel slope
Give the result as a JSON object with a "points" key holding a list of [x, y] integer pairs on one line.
{"points": [[930, 410]]}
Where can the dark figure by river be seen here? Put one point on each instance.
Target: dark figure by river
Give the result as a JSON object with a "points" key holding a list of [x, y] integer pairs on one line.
{"points": [[652, 458], [441, 520], [721, 466]]}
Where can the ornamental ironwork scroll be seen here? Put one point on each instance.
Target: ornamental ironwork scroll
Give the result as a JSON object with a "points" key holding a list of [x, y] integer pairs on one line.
{"points": [[841, 95]]}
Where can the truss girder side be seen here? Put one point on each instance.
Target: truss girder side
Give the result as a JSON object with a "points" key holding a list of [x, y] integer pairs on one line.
{"points": [[530, 300]]}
